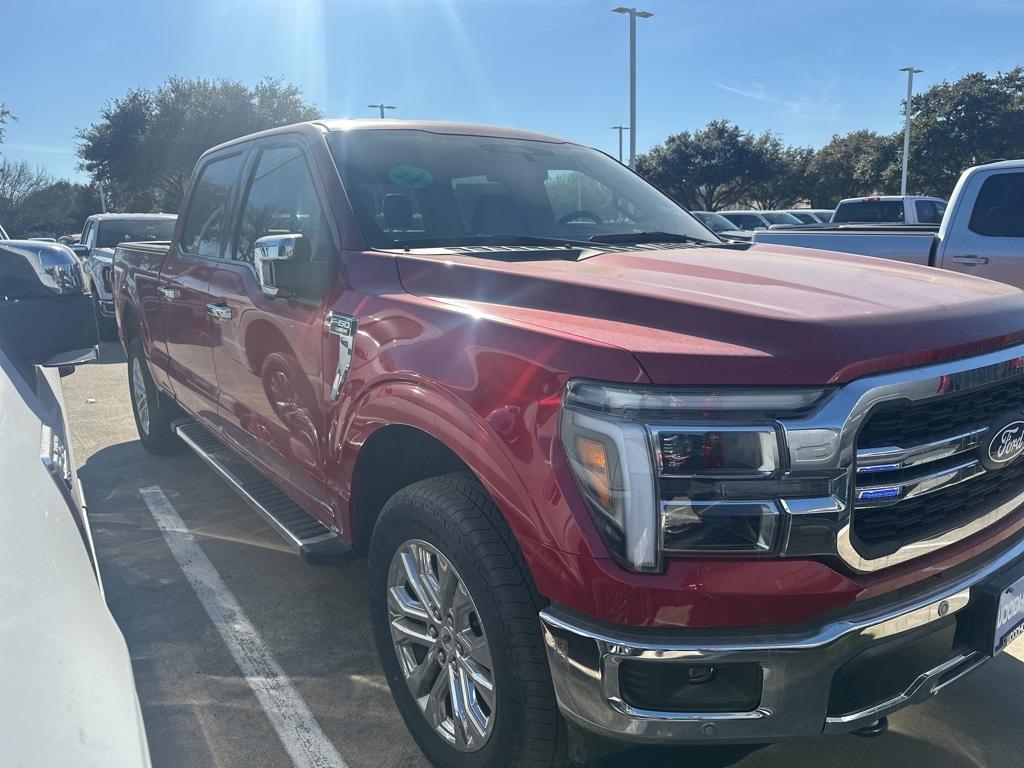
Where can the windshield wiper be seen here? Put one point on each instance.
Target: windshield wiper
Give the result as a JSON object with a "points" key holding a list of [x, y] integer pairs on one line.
{"points": [[617, 238], [461, 241]]}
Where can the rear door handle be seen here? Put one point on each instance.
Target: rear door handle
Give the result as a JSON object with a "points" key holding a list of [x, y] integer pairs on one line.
{"points": [[970, 260], [168, 293], [220, 311]]}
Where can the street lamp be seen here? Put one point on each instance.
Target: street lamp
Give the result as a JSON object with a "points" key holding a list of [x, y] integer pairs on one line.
{"points": [[620, 129], [381, 107], [906, 125], [634, 14]]}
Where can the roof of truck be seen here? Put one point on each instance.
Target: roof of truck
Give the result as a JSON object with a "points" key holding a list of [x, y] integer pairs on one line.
{"points": [[109, 216], [433, 126]]}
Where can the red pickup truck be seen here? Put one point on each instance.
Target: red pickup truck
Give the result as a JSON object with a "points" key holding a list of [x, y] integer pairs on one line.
{"points": [[607, 469]]}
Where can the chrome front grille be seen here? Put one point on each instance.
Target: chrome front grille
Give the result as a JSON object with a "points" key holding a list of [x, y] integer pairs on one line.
{"points": [[914, 490], [905, 455]]}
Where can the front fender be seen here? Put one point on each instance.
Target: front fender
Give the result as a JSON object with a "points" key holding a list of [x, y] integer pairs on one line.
{"points": [[480, 443]]}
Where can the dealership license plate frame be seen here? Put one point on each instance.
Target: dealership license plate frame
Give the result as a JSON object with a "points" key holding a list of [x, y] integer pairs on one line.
{"points": [[1002, 594]]}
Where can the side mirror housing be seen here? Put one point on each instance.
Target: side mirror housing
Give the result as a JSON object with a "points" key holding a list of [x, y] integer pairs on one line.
{"points": [[46, 316], [271, 256], [80, 250]]}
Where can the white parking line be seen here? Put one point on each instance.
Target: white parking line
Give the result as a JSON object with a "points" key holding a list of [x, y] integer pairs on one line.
{"points": [[295, 725]]}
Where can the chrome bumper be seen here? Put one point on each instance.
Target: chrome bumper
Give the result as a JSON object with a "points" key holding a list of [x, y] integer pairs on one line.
{"points": [[797, 670]]}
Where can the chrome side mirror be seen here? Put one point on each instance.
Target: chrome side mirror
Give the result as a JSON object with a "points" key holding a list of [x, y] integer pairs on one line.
{"points": [[271, 249]]}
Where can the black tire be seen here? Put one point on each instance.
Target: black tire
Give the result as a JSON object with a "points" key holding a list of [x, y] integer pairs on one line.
{"points": [[105, 326], [454, 514], [158, 436]]}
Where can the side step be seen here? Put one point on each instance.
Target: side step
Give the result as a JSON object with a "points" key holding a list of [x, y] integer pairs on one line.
{"points": [[316, 543]]}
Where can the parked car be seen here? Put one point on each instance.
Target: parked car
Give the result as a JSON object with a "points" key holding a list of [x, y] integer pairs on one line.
{"points": [[721, 226], [600, 462], [811, 215], [889, 209], [982, 231], [755, 220], [100, 234], [69, 693]]}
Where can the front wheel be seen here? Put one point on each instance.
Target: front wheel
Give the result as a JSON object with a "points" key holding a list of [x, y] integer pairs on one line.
{"points": [[456, 627], [153, 411]]}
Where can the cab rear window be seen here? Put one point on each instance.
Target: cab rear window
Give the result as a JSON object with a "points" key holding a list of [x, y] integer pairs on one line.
{"points": [[870, 212]]}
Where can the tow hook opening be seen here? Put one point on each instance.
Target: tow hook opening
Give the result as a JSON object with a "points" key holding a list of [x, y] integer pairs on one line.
{"points": [[878, 728]]}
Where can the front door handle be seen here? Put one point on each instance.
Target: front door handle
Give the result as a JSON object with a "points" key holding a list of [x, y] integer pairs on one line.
{"points": [[970, 260], [168, 293], [220, 311]]}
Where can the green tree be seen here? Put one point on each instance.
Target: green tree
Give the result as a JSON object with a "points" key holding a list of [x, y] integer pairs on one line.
{"points": [[145, 145], [53, 210], [709, 169], [956, 125], [856, 164], [784, 175]]}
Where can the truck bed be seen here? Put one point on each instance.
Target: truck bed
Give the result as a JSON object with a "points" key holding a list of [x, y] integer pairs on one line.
{"points": [[910, 243]]}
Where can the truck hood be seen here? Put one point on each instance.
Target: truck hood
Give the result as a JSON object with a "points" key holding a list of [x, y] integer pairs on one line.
{"points": [[764, 315]]}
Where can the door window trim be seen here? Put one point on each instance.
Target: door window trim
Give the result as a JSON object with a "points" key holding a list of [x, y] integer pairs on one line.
{"points": [[229, 209]]}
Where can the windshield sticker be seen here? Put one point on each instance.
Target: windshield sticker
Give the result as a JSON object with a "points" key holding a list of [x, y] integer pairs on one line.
{"points": [[410, 177]]}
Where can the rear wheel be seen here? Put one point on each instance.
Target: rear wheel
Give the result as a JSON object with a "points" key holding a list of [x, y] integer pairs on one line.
{"points": [[153, 412], [455, 621]]}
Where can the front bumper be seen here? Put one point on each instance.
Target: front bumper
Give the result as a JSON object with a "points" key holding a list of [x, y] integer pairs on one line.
{"points": [[831, 679]]}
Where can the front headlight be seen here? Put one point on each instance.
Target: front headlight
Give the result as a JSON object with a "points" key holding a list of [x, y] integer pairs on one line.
{"points": [[686, 471]]}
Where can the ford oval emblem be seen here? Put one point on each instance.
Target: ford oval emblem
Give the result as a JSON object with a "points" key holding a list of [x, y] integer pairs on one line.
{"points": [[1007, 443]]}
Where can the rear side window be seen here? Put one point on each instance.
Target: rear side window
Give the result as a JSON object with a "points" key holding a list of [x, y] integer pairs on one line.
{"points": [[999, 210], [870, 212], [204, 230], [929, 211], [282, 200]]}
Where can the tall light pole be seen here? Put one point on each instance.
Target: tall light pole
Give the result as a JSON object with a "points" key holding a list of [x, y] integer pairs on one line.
{"points": [[906, 125], [634, 14], [381, 107], [620, 129]]}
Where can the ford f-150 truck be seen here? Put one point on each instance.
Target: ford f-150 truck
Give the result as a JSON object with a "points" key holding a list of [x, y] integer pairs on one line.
{"points": [[607, 469], [981, 233]]}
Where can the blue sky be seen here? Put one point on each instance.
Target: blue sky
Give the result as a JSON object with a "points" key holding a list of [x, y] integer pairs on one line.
{"points": [[804, 69]]}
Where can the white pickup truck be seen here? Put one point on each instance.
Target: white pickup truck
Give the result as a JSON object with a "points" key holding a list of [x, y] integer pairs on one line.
{"points": [[982, 231]]}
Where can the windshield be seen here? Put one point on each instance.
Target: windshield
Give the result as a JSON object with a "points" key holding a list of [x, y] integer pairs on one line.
{"points": [[418, 187], [774, 217], [110, 233], [716, 222], [870, 211]]}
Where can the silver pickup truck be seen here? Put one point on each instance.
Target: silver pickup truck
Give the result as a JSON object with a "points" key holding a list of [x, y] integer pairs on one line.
{"points": [[982, 231]]}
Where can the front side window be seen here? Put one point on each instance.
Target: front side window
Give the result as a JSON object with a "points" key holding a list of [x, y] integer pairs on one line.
{"points": [[204, 227], [282, 200], [413, 186], [999, 210]]}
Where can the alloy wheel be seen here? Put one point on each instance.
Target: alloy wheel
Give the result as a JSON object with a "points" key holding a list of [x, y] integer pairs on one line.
{"points": [[441, 645], [139, 390]]}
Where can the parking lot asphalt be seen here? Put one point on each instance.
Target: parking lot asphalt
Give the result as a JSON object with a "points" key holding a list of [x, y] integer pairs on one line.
{"points": [[200, 703]]}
